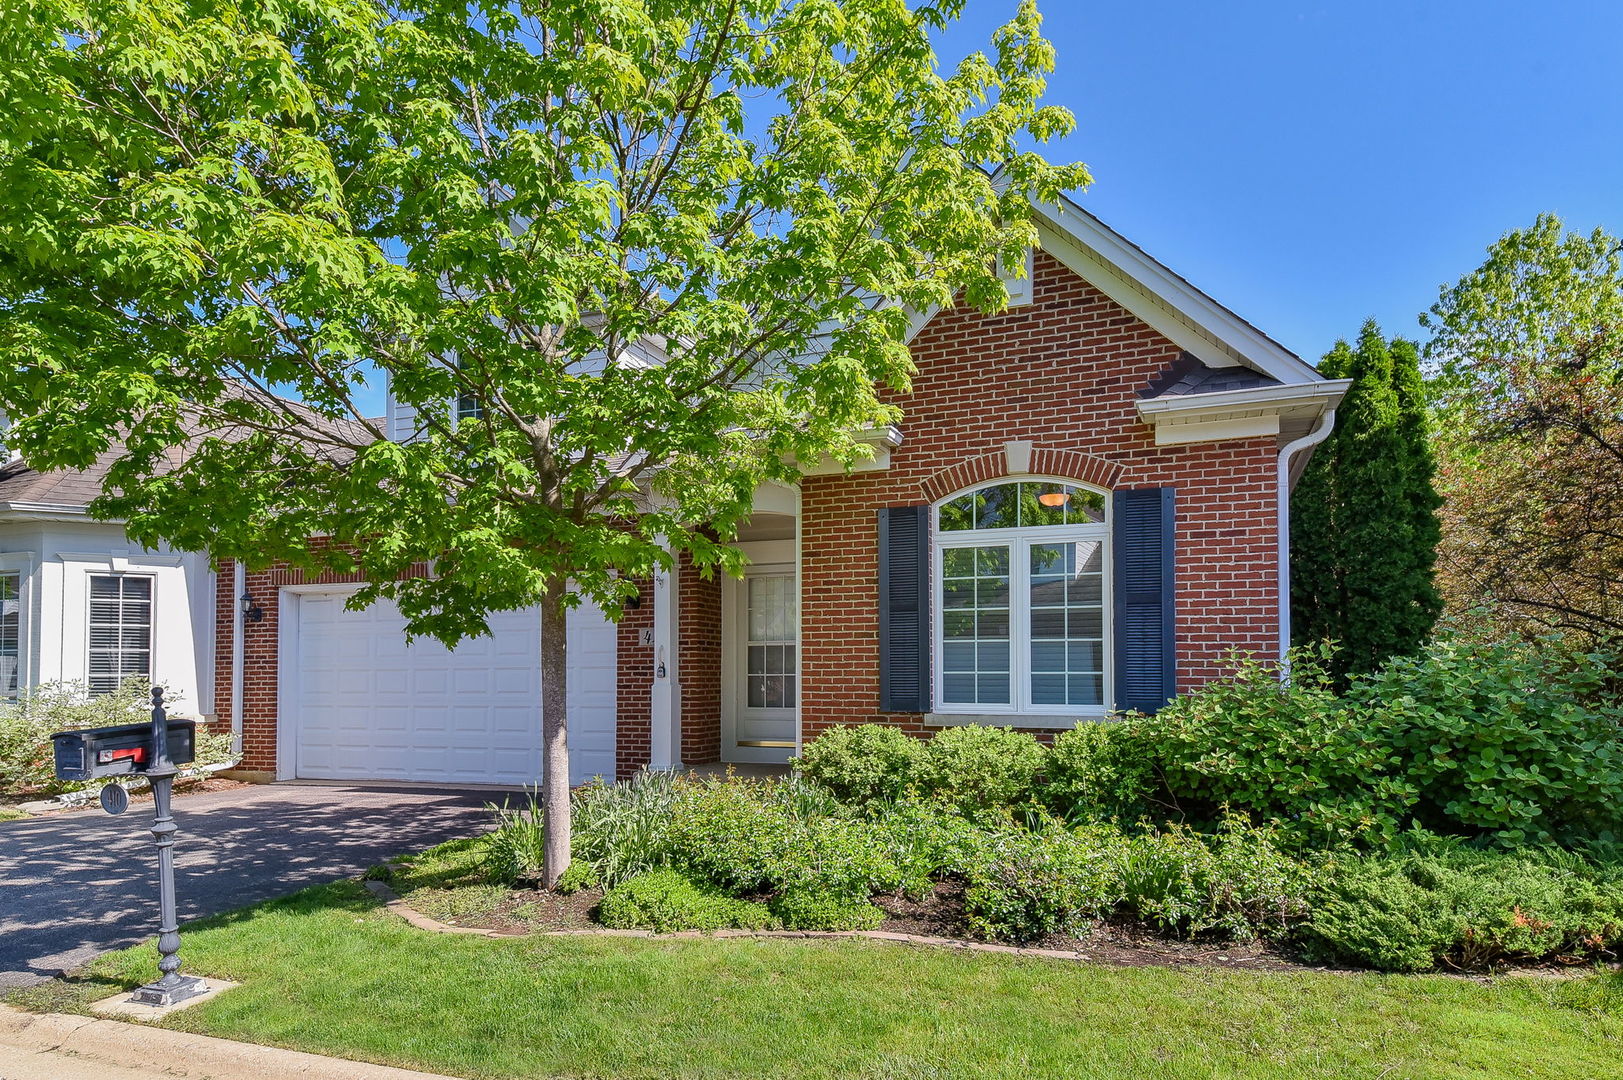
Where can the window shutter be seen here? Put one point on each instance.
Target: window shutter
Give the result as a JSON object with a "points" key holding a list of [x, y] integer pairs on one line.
{"points": [[1146, 676], [904, 609]]}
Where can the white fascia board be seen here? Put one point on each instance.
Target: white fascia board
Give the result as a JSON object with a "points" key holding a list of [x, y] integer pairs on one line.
{"points": [[882, 439], [1234, 427], [48, 512], [1236, 414], [1315, 396]]}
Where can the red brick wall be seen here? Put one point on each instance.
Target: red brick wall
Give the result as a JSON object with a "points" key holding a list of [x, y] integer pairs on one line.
{"points": [[633, 708], [698, 604], [1063, 373]]}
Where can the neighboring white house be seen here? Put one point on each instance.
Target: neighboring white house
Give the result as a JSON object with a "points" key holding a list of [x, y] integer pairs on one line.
{"points": [[79, 602]]}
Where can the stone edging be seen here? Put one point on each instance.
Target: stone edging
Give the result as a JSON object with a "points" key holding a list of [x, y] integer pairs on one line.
{"points": [[397, 906]]}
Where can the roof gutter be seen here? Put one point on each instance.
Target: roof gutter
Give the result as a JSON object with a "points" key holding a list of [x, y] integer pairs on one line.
{"points": [[1290, 395], [1287, 455]]}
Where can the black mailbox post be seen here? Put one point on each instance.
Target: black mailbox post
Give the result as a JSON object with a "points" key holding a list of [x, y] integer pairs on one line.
{"points": [[150, 750]]}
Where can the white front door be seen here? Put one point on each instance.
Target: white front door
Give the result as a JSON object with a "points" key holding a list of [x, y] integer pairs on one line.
{"points": [[361, 704], [765, 666]]}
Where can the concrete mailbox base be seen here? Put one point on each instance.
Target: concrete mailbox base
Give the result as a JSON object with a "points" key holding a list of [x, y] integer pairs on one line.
{"points": [[126, 1007]]}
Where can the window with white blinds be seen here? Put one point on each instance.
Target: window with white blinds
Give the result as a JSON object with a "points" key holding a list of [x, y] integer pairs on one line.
{"points": [[120, 630], [11, 641]]}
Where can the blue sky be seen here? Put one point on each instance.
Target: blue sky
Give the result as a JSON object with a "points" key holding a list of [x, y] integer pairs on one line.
{"points": [[1314, 164]]}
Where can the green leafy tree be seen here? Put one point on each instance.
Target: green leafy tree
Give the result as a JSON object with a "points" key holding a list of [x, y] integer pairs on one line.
{"points": [[623, 259], [1529, 391], [1363, 517]]}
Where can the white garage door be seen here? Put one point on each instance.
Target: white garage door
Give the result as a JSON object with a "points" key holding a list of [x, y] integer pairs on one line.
{"points": [[366, 706]]}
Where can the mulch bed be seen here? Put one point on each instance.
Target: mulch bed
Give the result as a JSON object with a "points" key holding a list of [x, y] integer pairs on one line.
{"points": [[939, 915]]}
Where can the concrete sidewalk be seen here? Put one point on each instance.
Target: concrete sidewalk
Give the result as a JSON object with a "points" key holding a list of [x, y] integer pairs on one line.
{"points": [[51, 1046]]}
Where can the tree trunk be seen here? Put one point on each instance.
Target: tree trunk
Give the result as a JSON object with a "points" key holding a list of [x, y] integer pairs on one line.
{"points": [[554, 733]]}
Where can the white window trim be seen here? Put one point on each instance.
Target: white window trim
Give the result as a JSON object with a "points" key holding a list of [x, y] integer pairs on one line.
{"points": [[20, 566], [152, 619], [944, 713]]}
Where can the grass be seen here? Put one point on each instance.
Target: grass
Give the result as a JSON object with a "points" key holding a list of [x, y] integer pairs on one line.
{"points": [[11, 813], [327, 971]]}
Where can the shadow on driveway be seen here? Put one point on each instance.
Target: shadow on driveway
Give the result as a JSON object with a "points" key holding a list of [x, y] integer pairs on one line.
{"points": [[81, 883]]}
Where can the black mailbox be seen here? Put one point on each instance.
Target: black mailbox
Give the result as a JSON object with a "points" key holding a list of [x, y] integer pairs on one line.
{"points": [[93, 753]]}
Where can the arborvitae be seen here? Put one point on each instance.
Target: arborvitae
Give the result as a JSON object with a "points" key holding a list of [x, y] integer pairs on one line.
{"points": [[1423, 501], [1363, 531]]}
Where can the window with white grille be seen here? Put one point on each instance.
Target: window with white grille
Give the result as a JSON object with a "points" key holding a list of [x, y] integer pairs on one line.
{"points": [[11, 652], [120, 630]]}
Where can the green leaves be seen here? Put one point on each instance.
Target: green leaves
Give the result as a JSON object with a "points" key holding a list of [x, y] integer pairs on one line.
{"points": [[620, 262]]}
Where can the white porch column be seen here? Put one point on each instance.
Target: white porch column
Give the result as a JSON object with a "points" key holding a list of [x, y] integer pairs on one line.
{"points": [[665, 695]]}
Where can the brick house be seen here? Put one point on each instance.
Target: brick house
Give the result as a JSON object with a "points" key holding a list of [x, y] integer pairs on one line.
{"points": [[1084, 510]]}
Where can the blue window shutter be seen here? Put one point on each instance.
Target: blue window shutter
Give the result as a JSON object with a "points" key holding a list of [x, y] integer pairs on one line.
{"points": [[904, 609], [1146, 673]]}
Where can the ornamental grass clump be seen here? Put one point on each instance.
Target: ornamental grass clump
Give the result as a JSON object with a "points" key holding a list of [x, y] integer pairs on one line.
{"points": [[622, 830]]}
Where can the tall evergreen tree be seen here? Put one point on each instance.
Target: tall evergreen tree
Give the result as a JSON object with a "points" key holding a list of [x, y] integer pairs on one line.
{"points": [[1363, 517]]}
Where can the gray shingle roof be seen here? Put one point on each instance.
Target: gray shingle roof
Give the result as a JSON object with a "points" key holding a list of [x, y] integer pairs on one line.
{"points": [[1187, 375]]}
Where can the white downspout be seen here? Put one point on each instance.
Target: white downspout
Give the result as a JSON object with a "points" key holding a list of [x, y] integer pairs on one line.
{"points": [[1287, 454], [239, 585]]}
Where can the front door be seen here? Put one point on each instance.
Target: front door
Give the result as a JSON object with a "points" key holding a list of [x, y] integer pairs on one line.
{"points": [[766, 665]]}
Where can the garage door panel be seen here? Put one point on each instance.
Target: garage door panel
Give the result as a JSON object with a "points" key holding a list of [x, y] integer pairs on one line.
{"points": [[366, 705]]}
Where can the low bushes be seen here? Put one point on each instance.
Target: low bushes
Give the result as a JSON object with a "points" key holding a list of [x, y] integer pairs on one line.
{"points": [[666, 900], [980, 771], [1511, 742], [27, 761], [1255, 808], [1441, 904], [705, 854]]}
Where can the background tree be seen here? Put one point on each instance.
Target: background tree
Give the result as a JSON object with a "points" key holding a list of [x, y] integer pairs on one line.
{"points": [[1363, 516], [659, 250], [1529, 389]]}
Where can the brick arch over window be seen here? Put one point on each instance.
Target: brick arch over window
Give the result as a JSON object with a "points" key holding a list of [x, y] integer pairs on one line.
{"points": [[1045, 461]]}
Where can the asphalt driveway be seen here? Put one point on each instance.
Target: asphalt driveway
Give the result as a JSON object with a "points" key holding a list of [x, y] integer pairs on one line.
{"points": [[76, 884]]}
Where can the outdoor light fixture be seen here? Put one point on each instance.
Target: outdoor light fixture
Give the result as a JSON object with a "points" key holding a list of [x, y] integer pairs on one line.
{"points": [[251, 610], [1054, 499]]}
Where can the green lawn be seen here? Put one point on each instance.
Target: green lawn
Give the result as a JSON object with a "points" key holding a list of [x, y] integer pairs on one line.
{"points": [[328, 971]]}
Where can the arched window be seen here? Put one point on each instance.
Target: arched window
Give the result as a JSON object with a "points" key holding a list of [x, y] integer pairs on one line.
{"points": [[1022, 589]]}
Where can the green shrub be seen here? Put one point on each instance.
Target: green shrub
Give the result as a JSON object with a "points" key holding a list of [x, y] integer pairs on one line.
{"points": [[1237, 883], [745, 838], [869, 763], [1464, 908], [1102, 771], [982, 771], [1514, 742], [925, 841], [1519, 741], [813, 909], [1030, 885], [1288, 751], [667, 900], [578, 875], [27, 760]]}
